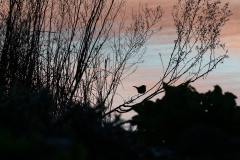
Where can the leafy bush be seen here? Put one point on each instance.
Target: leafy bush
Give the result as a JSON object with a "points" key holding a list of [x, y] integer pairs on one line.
{"points": [[184, 123], [164, 122], [29, 128]]}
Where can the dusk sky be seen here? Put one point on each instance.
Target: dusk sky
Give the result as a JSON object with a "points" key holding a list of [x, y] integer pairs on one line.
{"points": [[226, 75]]}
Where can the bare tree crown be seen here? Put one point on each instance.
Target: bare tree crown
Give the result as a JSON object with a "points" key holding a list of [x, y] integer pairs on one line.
{"points": [[82, 49]]}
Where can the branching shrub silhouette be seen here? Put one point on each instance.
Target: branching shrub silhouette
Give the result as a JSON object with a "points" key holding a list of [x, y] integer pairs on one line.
{"points": [[80, 57]]}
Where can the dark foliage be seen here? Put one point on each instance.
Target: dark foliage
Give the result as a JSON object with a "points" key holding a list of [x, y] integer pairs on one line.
{"points": [[183, 124], [23, 112], [213, 117], [29, 129]]}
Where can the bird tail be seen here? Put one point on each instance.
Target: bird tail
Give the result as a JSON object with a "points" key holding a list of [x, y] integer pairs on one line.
{"points": [[135, 86]]}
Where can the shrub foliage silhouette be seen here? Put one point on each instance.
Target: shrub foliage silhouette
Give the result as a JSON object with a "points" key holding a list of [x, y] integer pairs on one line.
{"points": [[28, 124], [182, 107], [82, 50]]}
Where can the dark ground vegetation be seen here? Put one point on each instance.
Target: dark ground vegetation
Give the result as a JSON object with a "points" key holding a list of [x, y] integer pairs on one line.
{"points": [[184, 124]]}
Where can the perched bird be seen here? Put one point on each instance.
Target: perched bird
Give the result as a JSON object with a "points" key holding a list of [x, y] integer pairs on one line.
{"points": [[141, 89]]}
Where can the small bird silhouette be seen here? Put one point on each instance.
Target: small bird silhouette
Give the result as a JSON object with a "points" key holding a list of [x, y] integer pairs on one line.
{"points": [[141, 89]]}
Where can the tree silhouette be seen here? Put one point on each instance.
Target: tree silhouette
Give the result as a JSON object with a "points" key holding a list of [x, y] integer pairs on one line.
{"points": [[81, 50], [198, 25]]}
